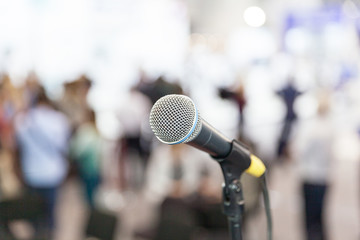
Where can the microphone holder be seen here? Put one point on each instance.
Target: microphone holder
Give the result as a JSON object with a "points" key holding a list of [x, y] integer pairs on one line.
{"points": [[233, 165]]}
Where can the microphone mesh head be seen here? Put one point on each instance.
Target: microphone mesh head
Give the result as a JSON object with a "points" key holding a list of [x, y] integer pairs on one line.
{"points": [[175, 119]]}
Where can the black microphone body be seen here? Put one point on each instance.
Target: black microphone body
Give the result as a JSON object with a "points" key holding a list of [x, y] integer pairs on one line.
{"points": [[211, 141], [234, 158]]}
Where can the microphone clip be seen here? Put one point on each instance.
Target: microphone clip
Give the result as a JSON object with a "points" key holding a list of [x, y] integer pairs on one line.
{"points": [[235, 163]]}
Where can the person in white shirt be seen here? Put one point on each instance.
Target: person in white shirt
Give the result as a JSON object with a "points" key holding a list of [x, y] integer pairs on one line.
{"points": [[42, 135], [314, 152]]}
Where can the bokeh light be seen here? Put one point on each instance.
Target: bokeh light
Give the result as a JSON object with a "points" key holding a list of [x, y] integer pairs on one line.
{"points": [[254, 16]]}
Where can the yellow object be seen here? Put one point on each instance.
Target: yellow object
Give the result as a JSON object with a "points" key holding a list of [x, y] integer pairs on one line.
{"points": [[257, 167]]}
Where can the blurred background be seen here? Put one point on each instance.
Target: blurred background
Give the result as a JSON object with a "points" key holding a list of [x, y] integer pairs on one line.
{"points": [[78, 79]]}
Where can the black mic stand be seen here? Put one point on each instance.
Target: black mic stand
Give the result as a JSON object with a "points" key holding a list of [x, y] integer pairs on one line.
{"points": [[233, 208], [233, 165]]}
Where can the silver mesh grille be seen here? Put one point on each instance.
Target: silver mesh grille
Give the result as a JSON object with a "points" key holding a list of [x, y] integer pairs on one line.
{"points": [[173, 117]]}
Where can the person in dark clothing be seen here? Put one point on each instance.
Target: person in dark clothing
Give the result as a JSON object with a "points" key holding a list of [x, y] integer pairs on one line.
{"points": [[158, 89], [238, 96], [136, 143], [288, 94]]}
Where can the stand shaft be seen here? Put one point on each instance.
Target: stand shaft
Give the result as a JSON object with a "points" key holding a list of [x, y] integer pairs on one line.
{"points": [[233, 207], [235, 229]]}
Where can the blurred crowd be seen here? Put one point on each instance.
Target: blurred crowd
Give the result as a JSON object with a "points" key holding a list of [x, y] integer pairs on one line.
{"points": [[47, 142], [42, 140]]}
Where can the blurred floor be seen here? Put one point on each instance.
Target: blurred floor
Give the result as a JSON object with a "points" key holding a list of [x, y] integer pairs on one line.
{"points": [[71, 212], [342, 207]]}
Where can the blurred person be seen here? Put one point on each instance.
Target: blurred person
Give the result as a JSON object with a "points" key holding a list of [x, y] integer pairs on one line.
{"points": [[206, 202], [167, 186], [159, 88], [173, 177], [31, 89], [288, 94], [10, 104], [85, 150], [172, 180], [42, 135], [137, 137], [177, 219], [10, 184], [238, 96], [153, 90], [74, 102], [314, 146], [135, 142]]}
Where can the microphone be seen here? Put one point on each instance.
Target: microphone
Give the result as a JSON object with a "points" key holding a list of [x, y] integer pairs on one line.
{"points": [[174, 119]]}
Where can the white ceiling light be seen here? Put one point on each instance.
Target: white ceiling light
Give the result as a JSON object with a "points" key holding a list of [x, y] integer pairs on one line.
{"points": [[254, 16]]}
